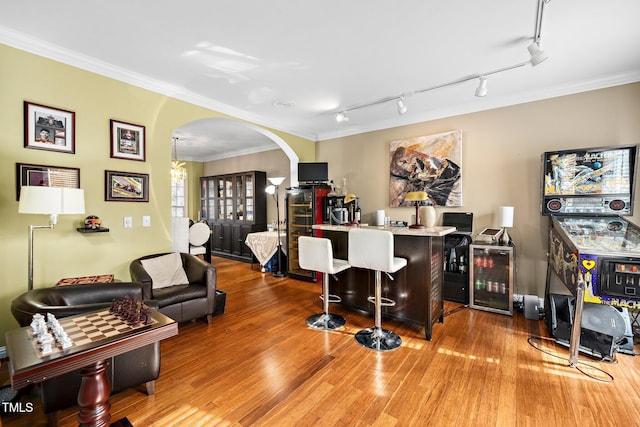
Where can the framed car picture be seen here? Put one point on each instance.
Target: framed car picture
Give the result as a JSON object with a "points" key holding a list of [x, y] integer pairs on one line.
{"points": [[127, 141], [126, 187], [48, 128]]}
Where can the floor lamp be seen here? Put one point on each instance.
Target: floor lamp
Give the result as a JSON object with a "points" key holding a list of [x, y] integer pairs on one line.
{"points": [[274, 190], [51, 201]]}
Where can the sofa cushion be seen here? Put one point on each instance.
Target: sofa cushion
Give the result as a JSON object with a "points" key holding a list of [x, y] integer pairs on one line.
{"points": [[178, 293], [165, 270]]}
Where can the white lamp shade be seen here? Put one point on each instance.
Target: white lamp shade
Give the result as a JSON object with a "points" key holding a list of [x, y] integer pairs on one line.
{"points": [[277, 180], [51, 200], [505, 216]]}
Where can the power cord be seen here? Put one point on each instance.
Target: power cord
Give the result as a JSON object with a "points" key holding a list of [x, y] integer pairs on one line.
{"points": [[578, 366]]}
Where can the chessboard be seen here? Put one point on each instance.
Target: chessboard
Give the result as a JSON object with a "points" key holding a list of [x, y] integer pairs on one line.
{"points": [[89, 328], [86, 280]]}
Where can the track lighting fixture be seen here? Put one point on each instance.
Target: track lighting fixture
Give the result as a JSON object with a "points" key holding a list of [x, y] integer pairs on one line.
{"points": [[342, 117], [482, 87], [401, 107], [537, 55]]}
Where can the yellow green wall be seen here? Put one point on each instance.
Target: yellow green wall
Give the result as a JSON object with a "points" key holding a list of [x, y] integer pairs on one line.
{"points": [[64, 252]]}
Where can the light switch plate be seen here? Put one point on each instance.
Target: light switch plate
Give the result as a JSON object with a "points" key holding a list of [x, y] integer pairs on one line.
{"points": [[146, 221], [128, 222]]}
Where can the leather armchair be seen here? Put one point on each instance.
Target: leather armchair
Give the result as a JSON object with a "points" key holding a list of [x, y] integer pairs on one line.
{"points": [[136, 367], [182, 302]]}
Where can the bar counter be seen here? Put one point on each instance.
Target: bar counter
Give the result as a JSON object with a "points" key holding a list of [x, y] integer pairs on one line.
{"points": [[417, 288]]}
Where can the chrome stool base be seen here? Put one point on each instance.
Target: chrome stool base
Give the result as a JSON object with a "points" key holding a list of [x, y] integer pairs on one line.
{"points": [[378, 339], [326, 321]]}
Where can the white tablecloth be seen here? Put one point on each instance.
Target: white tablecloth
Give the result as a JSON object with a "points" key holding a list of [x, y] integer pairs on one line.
{"points": [[265, 244]]}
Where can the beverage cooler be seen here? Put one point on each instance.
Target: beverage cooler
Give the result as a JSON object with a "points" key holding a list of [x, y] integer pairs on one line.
{"points": [[491, 277], [304, 209]]}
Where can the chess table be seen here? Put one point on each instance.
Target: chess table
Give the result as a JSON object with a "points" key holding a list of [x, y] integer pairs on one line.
{"points": [[97, 336]]}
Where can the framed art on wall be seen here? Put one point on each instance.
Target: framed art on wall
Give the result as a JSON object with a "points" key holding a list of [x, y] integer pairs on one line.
{"points": [[47, 128], [47, 176], [430, 163], [126, 186], [127, 141]]}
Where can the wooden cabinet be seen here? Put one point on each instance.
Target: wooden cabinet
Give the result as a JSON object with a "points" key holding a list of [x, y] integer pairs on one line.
{"points": [[234, 205]]}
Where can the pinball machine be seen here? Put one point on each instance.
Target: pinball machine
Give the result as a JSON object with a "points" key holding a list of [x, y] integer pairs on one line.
{"points": [[593, 250]]}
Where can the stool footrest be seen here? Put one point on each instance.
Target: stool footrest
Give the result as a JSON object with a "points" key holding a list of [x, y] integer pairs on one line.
{"points": [[385, 302], [332, 298]]}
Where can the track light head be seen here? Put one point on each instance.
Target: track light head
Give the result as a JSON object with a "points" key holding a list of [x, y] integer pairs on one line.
{"points": [[402, 108], [481, 90], [342, 117], [537, 54]]}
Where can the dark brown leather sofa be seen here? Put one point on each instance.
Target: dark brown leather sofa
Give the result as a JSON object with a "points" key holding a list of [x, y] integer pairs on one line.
{"points": [[136, 367], [182, 302]]}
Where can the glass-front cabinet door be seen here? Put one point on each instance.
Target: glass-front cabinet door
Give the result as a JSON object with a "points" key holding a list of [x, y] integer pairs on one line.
{"points": [[249, 202], [240, 198], [491, 278], [228, 198], [220, 199]]}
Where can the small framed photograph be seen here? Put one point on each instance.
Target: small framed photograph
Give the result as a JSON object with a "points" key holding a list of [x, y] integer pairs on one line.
{"points": [[47, 176], [127, 141], [47, 128], [126, 187]]}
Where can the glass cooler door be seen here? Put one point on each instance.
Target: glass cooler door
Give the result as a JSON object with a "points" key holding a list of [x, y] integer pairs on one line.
{"points": [[299, 222], [491, 278]]}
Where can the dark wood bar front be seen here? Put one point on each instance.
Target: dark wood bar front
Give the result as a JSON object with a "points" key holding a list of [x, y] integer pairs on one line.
{"points": [[417, 288]]}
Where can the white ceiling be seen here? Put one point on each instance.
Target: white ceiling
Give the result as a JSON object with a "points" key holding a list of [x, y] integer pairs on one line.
{"points": [[292, 65]]}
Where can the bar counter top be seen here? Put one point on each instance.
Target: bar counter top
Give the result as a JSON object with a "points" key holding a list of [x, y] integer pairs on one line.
{"points": [[438, 231]]}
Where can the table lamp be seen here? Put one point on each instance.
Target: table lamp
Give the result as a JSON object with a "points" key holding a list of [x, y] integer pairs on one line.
{"points": [[52, 201], [274, 190], [417, 197], [505, 220]]}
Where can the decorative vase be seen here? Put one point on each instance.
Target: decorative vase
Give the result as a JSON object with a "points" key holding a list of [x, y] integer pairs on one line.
{"points": [[427, 216]]}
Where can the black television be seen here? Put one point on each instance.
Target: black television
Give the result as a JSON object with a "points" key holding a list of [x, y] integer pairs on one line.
{"points": [[313, 172]]}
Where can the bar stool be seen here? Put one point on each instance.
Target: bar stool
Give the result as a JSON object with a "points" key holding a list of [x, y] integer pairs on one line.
{"points": [[316, 254], [373, 249]]}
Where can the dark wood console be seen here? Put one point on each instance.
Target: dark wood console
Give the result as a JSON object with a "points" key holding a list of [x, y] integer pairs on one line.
{"points": [[417, 288]]}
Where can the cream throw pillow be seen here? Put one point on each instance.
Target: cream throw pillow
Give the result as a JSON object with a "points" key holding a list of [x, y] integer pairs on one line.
{"points": [[165, 270]]}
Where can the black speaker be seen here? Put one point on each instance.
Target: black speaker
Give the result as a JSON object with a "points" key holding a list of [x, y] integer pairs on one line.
{"points": [[559, 310], [604, 328]]}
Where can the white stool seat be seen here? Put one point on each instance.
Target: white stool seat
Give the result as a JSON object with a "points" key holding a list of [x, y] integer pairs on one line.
{"points": [[198, 235], [316, 254], [373, 249]]}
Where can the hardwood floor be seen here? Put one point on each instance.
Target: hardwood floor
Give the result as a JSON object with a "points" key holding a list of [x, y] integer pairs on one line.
{"points": [[258, 364]]}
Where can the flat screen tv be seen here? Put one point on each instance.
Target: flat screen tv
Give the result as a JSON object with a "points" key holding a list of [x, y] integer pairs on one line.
{"points": [[591, 181], [313, 172]]}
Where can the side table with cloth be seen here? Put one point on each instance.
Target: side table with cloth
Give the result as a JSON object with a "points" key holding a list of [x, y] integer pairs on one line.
{"points": [[264, 245]]}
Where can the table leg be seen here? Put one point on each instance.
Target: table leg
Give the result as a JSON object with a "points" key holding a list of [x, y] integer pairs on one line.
{"points": [[93, 396]]}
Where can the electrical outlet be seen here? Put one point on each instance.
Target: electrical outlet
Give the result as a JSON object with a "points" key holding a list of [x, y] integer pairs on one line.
{"points": [[128, 222], [146, 221]]}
